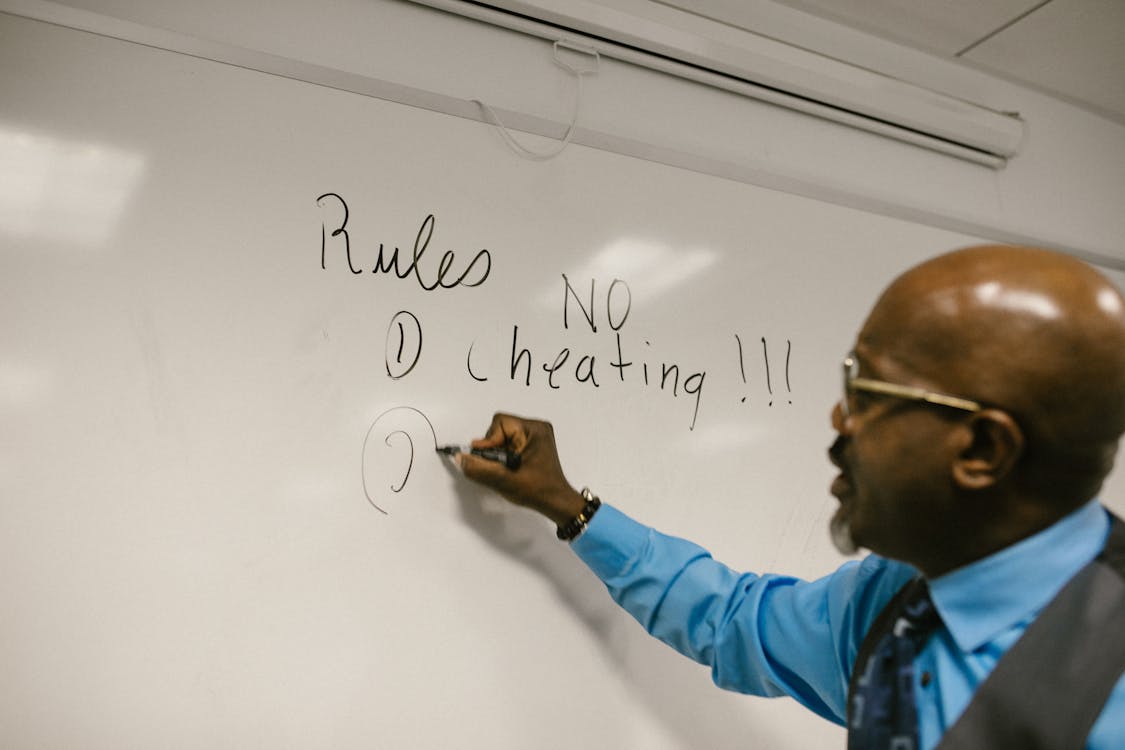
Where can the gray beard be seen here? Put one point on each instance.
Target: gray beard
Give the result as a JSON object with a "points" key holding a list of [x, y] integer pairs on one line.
{"points": [[841, 533]]}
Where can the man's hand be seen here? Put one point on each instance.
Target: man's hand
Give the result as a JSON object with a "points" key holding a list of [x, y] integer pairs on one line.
{"points": [[539, 482]]}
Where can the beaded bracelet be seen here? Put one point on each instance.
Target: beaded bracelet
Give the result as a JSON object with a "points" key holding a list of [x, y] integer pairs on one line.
{"points": [[570, 530]]}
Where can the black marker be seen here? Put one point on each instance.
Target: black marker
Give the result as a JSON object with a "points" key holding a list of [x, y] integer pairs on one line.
{"points": [[499, 455]]}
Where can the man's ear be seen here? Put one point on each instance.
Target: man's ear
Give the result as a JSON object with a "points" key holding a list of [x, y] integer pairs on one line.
{"points": [[993, 449]]}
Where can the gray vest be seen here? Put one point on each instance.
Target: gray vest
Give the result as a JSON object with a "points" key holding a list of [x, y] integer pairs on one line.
{"points": [[1048, 689]]}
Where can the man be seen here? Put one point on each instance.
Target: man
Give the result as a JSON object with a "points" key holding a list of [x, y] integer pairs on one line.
{"points": [[982, 408]]}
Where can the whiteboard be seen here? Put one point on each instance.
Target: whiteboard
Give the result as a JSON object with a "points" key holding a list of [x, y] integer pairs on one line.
{"points": [[222, 524]]}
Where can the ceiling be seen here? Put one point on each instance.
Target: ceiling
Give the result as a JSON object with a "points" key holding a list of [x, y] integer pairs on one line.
{"points": [[1072, 49]]}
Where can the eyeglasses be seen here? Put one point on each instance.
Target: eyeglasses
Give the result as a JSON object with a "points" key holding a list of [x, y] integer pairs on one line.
{"points": [[852, 383]]}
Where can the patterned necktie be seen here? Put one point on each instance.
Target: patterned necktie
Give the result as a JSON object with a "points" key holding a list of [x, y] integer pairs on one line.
{"points": [[883, 715]]}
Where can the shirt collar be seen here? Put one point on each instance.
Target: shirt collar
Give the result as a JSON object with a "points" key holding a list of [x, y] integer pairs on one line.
{"points": [[981, 600]]}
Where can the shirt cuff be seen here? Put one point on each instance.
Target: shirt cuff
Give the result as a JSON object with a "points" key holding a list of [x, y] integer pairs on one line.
{"points": [[611, 542]]}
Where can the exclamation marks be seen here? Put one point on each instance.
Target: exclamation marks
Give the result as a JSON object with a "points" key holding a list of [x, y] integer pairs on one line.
{"points": [[766, 357], [766, 363], [741, 364], [788, 351]]}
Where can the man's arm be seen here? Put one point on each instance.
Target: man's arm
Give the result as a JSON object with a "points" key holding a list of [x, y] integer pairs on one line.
{"points": [[763, 635]]}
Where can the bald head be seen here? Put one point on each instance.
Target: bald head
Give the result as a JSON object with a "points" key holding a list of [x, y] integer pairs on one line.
{"points": [[1038, 334]]}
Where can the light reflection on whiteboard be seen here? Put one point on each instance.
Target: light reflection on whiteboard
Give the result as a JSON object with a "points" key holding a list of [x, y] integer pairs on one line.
{"points": [[648, 265], [62, 190]]}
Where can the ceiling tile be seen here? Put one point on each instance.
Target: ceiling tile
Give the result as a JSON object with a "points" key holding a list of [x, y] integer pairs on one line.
{"points": [[946, 27], [1071, 48]]}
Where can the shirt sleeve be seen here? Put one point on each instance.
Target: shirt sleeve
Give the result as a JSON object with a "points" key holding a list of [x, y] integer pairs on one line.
{"points": [[765, 635]]}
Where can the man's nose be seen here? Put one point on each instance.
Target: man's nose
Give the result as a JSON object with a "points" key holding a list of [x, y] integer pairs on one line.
{"points": [[840, 422]]}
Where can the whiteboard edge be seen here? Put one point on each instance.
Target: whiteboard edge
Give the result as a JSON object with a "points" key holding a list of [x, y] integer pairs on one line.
{"points": [[807, 186]]}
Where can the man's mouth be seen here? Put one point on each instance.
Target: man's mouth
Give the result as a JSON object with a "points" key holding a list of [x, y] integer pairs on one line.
{"points": [[842, 485]]}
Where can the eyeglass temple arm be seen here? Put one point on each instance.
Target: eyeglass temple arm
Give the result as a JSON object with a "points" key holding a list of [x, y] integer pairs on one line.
{"points": [[918, 394]]}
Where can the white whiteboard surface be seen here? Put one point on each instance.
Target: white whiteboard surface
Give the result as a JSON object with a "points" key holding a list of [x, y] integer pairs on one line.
{"points": [[191, 411]]}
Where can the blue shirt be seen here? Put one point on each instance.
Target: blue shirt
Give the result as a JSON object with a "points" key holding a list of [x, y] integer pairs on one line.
{"points": [[774, 635]]}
